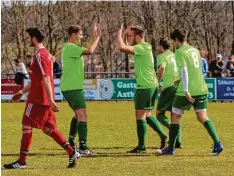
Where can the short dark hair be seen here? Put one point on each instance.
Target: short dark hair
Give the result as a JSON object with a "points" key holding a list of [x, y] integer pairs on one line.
{"points": [[179, 34], [138, 30], [166, 43], [28, 56], [73, 29], [17, 60], [36, 32]]}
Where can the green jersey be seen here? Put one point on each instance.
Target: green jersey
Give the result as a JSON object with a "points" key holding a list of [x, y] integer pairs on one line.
{"points": [[144, 66], [171, 73], [188, 56], [73, 67]]}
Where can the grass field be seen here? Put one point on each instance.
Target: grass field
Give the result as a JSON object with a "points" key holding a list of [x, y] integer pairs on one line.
{"points": [[111, 133]]}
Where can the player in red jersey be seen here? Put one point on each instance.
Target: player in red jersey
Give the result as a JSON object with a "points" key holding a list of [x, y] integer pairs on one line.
{"points": [[40, 106]]}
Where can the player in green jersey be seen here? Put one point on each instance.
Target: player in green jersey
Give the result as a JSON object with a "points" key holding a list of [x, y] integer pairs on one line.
{"points": [[147, 83], [72, 82], [169, 74], [192, 91]]}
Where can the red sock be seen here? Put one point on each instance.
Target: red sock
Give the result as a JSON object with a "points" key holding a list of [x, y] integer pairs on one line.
{"points": [[26, 142], [58, 137]]}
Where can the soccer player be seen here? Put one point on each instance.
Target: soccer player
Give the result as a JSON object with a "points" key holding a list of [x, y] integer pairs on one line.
{"points": [[169, 74], [192, 91], [40, 106], [147, 83], [72, 82]]}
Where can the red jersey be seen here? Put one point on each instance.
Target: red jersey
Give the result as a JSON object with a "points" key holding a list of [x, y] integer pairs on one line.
{"points": [[42, 65]]}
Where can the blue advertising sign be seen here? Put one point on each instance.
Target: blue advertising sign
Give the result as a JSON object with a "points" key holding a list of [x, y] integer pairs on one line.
{"points": [[225, 88]]}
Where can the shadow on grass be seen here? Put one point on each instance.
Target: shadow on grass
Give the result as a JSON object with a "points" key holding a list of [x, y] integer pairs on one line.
{"points": [[93, 148], [120, 154], [109, 154]]}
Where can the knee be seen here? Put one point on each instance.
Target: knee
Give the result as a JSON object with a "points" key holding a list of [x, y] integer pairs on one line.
{"points": [[148, 114], [175, 119], [47, 131], [201, 116], [81, 115], [202, 119]]}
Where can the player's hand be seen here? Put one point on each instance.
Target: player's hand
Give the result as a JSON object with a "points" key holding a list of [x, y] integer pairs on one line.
{"points": [[95, 29], [127, 30], [17, 96], [189, 97], [54, 106], [176, 82], [120, 32], [98, 30]]}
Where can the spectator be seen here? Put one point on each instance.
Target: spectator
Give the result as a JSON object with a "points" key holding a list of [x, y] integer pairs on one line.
{"points": [[20, 72], [230, 66], [28, 61], [204, 62], [57, 69], [216, 66]]}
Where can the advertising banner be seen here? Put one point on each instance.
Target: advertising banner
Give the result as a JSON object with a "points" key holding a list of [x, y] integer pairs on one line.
{"points": [[90, 89], [211, 84], [8, 88], [225, 88], [116, 89], [120, 89]]}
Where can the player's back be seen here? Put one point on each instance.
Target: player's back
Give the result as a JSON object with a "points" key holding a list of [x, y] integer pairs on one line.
{"points": [[168, 62], [144, 66], [42, 65], [188, 56]]}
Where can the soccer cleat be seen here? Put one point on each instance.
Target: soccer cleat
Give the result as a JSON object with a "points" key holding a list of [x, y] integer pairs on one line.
{"points": [[218, 148], [85, 151], [163, 143], [72, 159], [137, 150], [165, 151], [15, 165], [178, 145]]}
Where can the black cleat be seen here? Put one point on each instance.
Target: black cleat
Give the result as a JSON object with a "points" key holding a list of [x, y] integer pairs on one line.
{"points": [[178, 145], [72, 159], [137, 150], [15, 165], [163, 143]]}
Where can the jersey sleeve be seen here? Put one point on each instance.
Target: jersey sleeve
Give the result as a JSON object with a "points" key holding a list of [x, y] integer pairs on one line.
{"points": [[180, 59], [76, 51], [44, 64], [161, 62], [138, 50]]}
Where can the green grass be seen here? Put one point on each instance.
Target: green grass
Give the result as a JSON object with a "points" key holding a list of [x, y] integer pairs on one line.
{"points": [[112, 131]]}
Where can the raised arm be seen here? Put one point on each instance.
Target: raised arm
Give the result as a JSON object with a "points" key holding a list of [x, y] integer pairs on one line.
{"points": [[94, 41], [122, 46]]}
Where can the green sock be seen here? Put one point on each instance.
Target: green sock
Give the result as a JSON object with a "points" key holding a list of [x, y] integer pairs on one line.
{"points": [[82, 132], [173, 133], [141, 132], [154, 124], [211, 130], [73, 131], [163, 120]]}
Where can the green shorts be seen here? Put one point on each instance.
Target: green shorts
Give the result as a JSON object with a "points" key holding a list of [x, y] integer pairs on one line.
{"points": [[166, 98], [75, 98], [145, 98], [182, 103]]}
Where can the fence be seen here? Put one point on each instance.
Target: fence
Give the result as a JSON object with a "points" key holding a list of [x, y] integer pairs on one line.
{"points": [[120, 88]]}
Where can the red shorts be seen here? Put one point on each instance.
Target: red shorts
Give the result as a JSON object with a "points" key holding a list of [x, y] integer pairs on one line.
{"points": [[38, 116]]}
